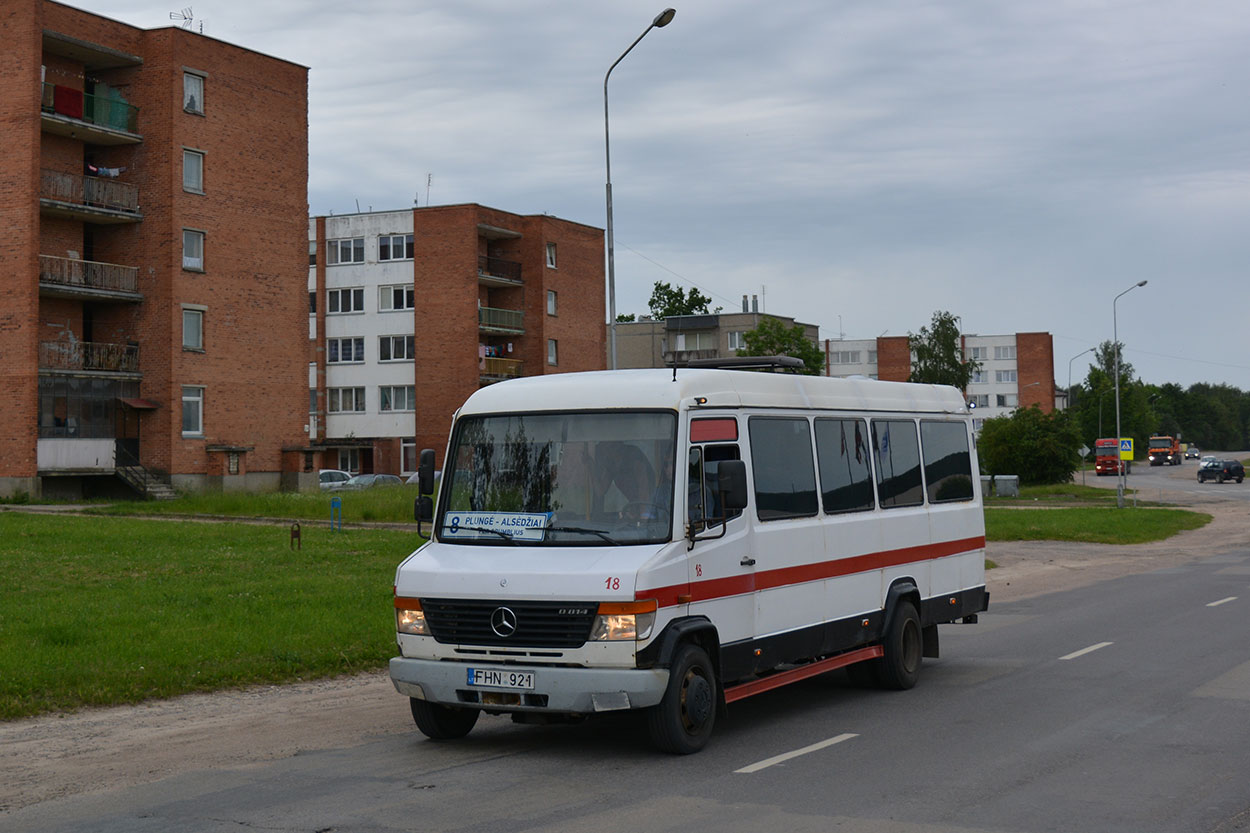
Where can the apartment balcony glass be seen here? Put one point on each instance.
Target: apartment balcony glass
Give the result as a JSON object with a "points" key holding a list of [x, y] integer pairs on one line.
{"points": [[73, 277], [102, 119], [495, 271], [493, 320], [92, 198], [92, 356]]}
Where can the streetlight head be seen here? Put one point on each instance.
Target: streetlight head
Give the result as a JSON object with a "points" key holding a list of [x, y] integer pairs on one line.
{"points": [[664, 18], [1143, 283]]}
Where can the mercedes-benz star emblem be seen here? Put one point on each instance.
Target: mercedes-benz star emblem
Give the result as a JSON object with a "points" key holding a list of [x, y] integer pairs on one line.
{"points": [[503, 622]]}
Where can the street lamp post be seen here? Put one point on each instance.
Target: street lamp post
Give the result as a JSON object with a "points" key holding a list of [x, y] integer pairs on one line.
{"points": [[662, 19], [1074, 358], [1115, 343]]}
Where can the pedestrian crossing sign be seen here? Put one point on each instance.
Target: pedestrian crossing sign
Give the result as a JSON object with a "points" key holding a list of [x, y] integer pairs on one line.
{"points": [[1126, 448]]}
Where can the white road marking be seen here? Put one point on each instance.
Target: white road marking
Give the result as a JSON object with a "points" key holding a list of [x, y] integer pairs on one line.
{"points": [[1085, 651], [785, 756], [1222, 601]]}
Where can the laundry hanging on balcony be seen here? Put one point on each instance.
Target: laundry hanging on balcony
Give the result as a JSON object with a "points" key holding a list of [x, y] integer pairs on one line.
{"points": [[108, 173]]}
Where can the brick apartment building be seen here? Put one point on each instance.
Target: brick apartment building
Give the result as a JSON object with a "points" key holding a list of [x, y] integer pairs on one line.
{"points": [[1017, 370], [411, 311], [153, 199]]}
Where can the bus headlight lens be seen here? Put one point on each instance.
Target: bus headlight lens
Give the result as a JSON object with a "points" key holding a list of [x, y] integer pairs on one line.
{"points": [[409, 617], [621, 622]]}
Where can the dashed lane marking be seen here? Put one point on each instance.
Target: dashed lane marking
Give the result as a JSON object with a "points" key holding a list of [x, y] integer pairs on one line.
{"points": [[785, 756], [1085, 651]]}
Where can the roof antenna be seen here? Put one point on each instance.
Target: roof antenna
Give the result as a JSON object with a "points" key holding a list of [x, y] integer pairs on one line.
{"points": [[188, 20]]}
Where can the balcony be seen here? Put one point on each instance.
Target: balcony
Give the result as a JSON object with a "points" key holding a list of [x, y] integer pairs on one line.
{"points": [[92, 199], [88, 356], [68, 277], [509, 321], [680, 357], [497, 370], [97, 119], [495, 271]]}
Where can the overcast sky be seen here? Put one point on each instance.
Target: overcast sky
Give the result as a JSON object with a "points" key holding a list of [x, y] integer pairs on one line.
{"points": [[856, 164]]}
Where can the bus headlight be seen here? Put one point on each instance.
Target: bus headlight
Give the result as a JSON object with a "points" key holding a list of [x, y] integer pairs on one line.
{"points": [[409, 617], [620, 621]]}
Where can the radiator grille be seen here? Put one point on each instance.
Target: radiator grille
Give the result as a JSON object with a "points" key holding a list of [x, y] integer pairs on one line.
{"points": [[538, 624]]}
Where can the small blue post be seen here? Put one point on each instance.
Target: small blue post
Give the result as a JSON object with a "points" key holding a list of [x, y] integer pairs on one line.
{"points": [[336, 513]]}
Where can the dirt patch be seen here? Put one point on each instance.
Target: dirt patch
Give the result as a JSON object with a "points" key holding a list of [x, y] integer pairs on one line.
{"points": [[99, 750]]}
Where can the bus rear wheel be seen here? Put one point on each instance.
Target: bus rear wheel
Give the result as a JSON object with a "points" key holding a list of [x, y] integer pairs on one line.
{"points": [[899, 668]]}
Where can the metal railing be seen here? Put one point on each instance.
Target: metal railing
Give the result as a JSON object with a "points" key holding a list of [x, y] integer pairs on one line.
{"points": [[88, 355], [93, 191], [102, 111], [501, 368], [500, 319], [88, 274], [499, 268]]}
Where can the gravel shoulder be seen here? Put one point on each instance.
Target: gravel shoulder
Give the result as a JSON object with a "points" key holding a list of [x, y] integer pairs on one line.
{"points": [[99, 750]]}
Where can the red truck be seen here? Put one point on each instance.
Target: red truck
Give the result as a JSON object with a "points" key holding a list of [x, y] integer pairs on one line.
{"points": [[1107, 457], [1165, 449]]}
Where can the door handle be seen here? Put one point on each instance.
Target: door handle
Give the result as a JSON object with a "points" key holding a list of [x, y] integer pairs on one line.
{"points": [[748, 561]]}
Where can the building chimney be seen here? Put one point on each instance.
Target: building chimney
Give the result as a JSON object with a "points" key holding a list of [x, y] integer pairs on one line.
{"points": [[755, 303], [745, 308]]}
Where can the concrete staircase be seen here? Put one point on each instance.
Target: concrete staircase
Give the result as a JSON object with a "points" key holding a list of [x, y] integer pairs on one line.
{"points": [[145, 483]]}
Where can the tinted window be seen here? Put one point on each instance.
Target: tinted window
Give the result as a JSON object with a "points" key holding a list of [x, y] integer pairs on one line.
{"points": [[842, 448], [896, 455], [781, 459], [947, 463]]}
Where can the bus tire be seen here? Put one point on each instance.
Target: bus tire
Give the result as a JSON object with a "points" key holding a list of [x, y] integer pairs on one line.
{"points": [[442, 722], [899, 668], [682, 721]]}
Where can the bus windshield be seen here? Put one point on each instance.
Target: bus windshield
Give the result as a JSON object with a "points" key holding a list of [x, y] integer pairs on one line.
{"points": [[571, 479]]}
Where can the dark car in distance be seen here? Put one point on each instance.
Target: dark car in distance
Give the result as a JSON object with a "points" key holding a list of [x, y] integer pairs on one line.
{"points": [[1221, 470]]}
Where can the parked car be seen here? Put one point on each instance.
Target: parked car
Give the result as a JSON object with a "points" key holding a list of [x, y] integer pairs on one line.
{"points": [[332, 478], [413, 478], [1192, 453], [365, 481], [1221, 470]]}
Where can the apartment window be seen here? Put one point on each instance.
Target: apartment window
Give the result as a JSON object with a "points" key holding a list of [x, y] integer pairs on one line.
{"points": [[395, 298], [349, 459], [193, 328], [696, 341], [737, 340], [192, 411], [551, 351], [980, 400], [345, 400], [408, 456], [398, 397], [351, 299], [978, 353], [312, 252], [395, 247], [551, 302], [551, 255], [193, 93], [1005, 352], [844, 357], [193, 250], [344, 350], [395, 348], [192, 171], [345, 250], [979, 377], [872, 358], [312, 303], [312, 400], [1007, 400], [1004, 376]]}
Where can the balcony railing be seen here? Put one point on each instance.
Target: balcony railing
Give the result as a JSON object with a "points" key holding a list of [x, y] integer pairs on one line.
{"points": [[500, 368], [87, 274], [509, 320], [91, 191], [103, 111], [497, 267], [88, 355]]}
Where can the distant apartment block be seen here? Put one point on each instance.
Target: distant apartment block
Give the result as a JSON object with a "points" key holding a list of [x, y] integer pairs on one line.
{"points": [[154, 195], [411, 311], [1017, 371]]}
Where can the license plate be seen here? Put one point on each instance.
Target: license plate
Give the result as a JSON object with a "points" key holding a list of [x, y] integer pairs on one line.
{"points": [[501, 678]]}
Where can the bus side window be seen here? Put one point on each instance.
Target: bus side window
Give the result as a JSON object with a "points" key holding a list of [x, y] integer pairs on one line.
{"points": [[703, 503]]}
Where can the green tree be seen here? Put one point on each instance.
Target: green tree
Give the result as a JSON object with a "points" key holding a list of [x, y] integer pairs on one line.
{"points": [[1038, 447], [624, 317], [667, 300], [772, 338], [939, 356]]}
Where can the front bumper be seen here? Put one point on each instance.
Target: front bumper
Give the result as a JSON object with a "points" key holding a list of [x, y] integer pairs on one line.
{"points": [[557, 689]]}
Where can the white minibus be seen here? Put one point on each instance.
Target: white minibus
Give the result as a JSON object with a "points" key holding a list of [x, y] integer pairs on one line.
{"points": [[672, 541]]}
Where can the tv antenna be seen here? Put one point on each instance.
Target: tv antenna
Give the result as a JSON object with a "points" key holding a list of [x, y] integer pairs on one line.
{"points": [[188, 20]]}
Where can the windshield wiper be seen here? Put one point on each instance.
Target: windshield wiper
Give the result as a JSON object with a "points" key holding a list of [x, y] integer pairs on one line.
{"points": [[585, 530], [503, 535]]}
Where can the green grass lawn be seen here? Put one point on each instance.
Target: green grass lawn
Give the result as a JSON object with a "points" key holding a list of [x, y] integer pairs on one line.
{"points": [[1090, 524], [381, 504], [98, 611]]}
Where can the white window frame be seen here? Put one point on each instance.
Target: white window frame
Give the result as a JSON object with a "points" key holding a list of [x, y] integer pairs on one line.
{"points": [[197, 313], [193, 82], [551, 302], [552, 352], [1003, 377], [387, 293], [353, 295], [737, 339], [405, 240], [388, 396], [407, 452], [979, 377], [194, 237], [349, 460], [387, 352], [196, 158], [194, 395], [1007, 400], [1005, 352], [335, 249], [551, 255], [334, 350], [349, 400], [978, 353]]}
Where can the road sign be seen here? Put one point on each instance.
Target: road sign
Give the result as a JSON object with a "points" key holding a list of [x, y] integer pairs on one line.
{"points": [[1083, 451], [1126, 448]]}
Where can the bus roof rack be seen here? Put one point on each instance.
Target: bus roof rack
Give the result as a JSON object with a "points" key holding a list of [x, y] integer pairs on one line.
{"points": [[773, 364]]}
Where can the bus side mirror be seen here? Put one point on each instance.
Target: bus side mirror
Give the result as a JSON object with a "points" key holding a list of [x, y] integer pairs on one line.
{"points": [[425, 473], [423, 510], [732, 484]]}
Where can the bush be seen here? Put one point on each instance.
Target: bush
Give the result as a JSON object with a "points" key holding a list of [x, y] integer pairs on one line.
{"points": [[1040, 448]]}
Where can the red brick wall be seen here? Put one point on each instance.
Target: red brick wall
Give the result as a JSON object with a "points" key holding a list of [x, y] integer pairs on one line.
{"points": [[893, 358], [1035, 362]]}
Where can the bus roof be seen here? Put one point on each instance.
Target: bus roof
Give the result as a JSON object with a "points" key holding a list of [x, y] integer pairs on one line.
{"points": [[664, 389]]}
